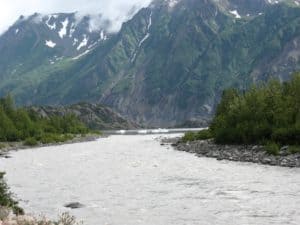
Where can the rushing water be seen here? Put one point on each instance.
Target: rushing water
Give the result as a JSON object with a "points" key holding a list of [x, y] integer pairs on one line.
{"points": [[129, 180]]}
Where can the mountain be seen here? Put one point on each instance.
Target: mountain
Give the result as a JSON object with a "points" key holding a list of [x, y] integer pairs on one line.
{"points": [[168, 64], [94, 116], [37, 45]]}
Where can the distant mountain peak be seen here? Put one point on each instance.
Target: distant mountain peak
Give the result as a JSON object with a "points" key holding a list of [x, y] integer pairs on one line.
{"points": [[167, 64], [71, 34]]}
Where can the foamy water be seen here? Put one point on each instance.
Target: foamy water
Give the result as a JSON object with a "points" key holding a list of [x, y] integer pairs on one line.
{"points": [[129, 180]]}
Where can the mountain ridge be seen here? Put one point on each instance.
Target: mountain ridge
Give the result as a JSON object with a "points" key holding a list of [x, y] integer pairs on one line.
{"points": [[172, 60]]}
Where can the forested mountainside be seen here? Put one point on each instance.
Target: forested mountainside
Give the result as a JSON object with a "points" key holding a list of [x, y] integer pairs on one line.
{"points": [[168, 64]]}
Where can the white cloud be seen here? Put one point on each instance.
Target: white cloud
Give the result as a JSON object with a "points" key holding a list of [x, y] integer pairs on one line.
{"points": [[115, 10]]}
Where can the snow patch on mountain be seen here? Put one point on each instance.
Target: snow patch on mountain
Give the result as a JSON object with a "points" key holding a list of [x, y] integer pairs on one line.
{"points": [[82, 54], [72, 30], [173, 3], [144, 38], [236, 14], [75, 41], [102, 35], [50, 44], [83, 43], [51, 26], [148, 28], [273, 1], [63, 30]]}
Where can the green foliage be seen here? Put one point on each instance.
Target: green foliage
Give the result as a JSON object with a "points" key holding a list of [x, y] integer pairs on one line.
{"points": [[191, 57], [5, 197], [201, 135], [294, 149], [31, 141], [22, 125], [189, 136], [269, 112], [272, 148], [55, 138]]}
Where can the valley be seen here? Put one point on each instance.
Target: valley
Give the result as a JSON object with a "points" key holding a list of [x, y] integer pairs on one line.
{"points": [[167, 65]]}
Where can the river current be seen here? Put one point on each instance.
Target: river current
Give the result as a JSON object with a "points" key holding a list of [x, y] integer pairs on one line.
{"points": [[132, 179]]}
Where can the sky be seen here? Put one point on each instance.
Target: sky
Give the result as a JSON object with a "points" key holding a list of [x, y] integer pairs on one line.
{"points": [[117, 11]]}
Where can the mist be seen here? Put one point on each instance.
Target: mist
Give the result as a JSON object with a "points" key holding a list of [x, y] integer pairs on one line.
{"points": [[117, 11]]}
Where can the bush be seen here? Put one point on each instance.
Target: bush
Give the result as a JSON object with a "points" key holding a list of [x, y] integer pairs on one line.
{"points": [[267, 112], [201, 135], [6, 199], [17, 124], [294, 149], [189, 136], [55, 138], [204, 135], [2, 145], [272, 148], [31, 141]]}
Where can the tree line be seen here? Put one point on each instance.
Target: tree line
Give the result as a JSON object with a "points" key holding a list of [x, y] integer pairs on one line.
{"points": [[266, 113], [20, 124]]}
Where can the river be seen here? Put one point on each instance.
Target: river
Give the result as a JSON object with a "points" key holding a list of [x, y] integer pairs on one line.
{"points": [[132, 179]]}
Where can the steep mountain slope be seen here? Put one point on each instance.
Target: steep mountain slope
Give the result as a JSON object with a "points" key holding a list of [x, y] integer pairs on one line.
{"points": [[172, 60], [37, 45], [95, 116]]}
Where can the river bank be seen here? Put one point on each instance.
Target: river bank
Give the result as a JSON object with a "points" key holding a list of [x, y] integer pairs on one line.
{"points": [[6, 147], [138, 178], [240, 153], [8, 218]]}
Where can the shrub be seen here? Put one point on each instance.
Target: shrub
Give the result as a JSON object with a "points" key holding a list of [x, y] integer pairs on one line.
{"points": [[200, 135], [31, 141], [294, 149], [204, 135], [189, 136], [265, 112], [6, 199], [19, 124], [7, 219], [272, 148], [55, 138]]}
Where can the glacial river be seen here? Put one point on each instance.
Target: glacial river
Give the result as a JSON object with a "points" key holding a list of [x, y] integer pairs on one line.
{"points": [[132, 180]]}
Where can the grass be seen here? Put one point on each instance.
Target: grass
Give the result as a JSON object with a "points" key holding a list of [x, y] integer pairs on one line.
{"points": [[200, 135]]}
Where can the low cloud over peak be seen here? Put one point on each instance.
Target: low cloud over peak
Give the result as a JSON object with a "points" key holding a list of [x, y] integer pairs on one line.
{"points": [[117, 11]]}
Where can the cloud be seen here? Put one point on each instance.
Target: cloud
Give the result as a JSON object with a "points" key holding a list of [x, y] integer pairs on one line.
{"points": [[117, 11]]}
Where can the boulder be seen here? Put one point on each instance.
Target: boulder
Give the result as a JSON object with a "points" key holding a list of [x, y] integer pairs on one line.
{"points": [[74, 205]]}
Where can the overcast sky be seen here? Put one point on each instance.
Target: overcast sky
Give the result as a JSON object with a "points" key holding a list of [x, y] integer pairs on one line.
{"points": [[116, 10]]}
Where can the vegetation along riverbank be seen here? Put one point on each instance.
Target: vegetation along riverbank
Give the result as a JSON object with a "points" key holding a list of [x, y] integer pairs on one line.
{"points": [[261, 125], [23, 128]]}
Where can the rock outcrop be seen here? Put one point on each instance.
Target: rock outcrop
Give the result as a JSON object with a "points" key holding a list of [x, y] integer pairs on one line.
{"points": [[95, 116]]}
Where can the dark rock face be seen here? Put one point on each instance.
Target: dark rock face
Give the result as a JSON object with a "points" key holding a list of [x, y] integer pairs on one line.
{"points": [[74, 205], [241, 153], [95, 116]]}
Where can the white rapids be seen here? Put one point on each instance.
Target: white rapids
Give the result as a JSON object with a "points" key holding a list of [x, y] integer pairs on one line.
{"points": [[129, 180]]}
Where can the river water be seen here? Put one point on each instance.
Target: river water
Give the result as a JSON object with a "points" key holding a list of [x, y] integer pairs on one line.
{"points": [[129, 180]]}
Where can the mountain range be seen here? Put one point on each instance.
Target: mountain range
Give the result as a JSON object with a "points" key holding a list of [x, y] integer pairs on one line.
{"points": [[168, 64]]}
